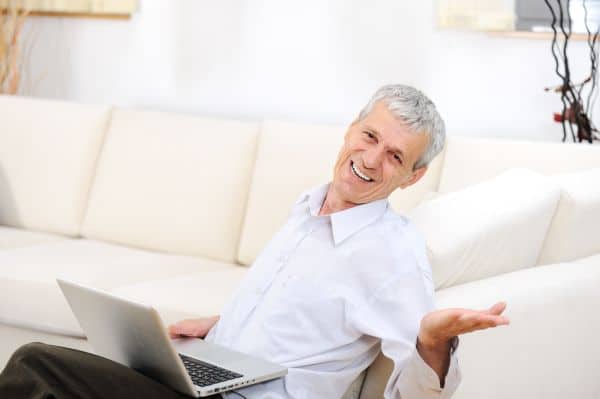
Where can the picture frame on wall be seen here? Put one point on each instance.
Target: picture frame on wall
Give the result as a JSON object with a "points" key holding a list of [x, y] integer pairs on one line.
{"points": [[90, 8], [515, 15]]}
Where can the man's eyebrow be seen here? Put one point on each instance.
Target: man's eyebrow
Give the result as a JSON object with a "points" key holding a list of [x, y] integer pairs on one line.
{"points": [[376, 133]]}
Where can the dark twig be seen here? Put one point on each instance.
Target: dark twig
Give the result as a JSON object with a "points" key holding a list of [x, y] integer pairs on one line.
{"points": [[557, 68], [575, 111]]}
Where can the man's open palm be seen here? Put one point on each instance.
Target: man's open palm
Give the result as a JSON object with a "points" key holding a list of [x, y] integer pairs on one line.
{"points": [[442, 325]]}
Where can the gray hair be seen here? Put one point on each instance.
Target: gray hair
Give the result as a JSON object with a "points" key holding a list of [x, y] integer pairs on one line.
{"points": [[417, 111]]}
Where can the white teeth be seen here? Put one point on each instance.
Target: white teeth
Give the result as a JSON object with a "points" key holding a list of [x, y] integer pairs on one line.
{"points": [[358, 174]]}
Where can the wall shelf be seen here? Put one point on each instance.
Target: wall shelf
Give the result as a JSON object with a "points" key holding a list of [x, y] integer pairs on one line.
{"points": [[536, 35]]}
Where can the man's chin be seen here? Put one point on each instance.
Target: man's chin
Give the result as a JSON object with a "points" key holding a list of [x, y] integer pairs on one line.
{"points": [[351, 195], [361, 199]]}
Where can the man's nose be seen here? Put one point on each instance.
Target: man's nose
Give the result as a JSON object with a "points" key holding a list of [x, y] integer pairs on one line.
{"points": [[372, 157]]}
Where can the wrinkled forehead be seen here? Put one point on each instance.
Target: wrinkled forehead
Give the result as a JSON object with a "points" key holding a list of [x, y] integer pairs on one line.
{"points": [[384, 122]]}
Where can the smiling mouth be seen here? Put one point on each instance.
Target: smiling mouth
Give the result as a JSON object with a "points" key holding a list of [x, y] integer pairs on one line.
{"points": [[358, 174]]}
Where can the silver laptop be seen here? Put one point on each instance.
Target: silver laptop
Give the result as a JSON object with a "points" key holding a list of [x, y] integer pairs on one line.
{"points": [[134, 335]]}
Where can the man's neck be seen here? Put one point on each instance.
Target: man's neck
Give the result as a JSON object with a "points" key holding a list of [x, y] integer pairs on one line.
{"points": [[332, 203]]}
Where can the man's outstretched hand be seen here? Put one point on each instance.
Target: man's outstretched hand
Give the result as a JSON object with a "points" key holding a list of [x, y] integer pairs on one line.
{"points": [[197, 328], [439, 327]]}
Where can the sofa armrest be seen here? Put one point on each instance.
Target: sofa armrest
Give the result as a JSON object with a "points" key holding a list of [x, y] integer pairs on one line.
{"points": [[550, 348]]}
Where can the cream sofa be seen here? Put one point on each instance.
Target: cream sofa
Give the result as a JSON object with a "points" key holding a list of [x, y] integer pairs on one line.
{"points": [[171, 209]]}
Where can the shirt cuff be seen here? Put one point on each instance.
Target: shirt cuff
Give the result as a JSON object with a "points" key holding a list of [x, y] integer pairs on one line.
{"points": [[429, 380]]}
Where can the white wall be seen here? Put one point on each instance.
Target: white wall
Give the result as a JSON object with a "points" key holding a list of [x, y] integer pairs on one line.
{"points": [[314, 61]]}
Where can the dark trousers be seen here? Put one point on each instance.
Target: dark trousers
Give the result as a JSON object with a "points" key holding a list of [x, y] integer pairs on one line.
{"points": [[39, 371]]}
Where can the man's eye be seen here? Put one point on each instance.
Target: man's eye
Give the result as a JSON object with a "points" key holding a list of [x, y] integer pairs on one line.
{"points": [[398, 158], [370, 135]]}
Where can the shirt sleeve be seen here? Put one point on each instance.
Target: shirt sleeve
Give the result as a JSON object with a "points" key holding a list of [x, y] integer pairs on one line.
{"points": [[393, 315], [418, 380]]}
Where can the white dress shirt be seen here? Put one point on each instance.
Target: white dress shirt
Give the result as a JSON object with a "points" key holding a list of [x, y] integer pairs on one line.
{"points": [[326, 295]]}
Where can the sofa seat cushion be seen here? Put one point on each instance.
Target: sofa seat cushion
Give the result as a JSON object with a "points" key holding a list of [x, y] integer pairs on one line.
{"points": [[30, 297], [491, 228], [14, 238], [197, 294]]}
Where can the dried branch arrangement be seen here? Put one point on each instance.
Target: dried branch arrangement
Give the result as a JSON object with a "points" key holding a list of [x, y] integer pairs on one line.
{"points": [[576, 114], [12, 20]]}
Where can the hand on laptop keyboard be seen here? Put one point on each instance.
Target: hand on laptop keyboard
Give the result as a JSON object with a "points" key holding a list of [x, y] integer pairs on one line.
{"points": [[197, 328]]}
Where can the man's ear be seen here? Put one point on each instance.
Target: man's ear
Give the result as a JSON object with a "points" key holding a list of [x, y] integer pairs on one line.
{"points": [[416, 176]]}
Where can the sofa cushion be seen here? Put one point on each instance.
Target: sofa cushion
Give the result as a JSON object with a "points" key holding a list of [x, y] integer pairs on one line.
{"points": [[487, 229], [48, 153], [30, 297], [172, 183], [574, 230], [15, 238], [292, 158], [470, 161]]}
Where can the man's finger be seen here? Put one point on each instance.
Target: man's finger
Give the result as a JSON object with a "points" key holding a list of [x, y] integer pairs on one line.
{"points": [[172, 331], [494, 320], [488, 321], [498, 308], [179, 329], [498, 319]]}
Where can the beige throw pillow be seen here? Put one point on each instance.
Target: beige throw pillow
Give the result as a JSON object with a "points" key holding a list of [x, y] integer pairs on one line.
{"points": [[487, 229]]}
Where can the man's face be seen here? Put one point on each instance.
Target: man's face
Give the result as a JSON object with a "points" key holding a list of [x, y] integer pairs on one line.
{"points": [[378, 156]]}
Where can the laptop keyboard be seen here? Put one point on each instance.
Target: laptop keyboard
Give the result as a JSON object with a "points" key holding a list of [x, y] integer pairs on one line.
{"points": [[205, 374]]}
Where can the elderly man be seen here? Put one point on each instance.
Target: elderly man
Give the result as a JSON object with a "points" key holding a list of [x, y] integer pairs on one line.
{"points": [[343, 279]]}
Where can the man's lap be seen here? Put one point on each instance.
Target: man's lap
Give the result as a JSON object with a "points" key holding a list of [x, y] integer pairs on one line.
{"points": [[38, 370]]}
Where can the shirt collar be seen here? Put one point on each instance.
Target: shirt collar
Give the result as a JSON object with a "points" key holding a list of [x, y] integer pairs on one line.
{"points": [[347, 222]]}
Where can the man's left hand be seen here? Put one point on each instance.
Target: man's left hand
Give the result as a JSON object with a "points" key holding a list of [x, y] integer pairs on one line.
{"points": [[441, 326]]}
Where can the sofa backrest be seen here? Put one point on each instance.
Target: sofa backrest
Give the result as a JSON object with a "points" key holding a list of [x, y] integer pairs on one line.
{"points": [[572, 233], [172, 183], [48, 153], [291, 158], [472, 160]]}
